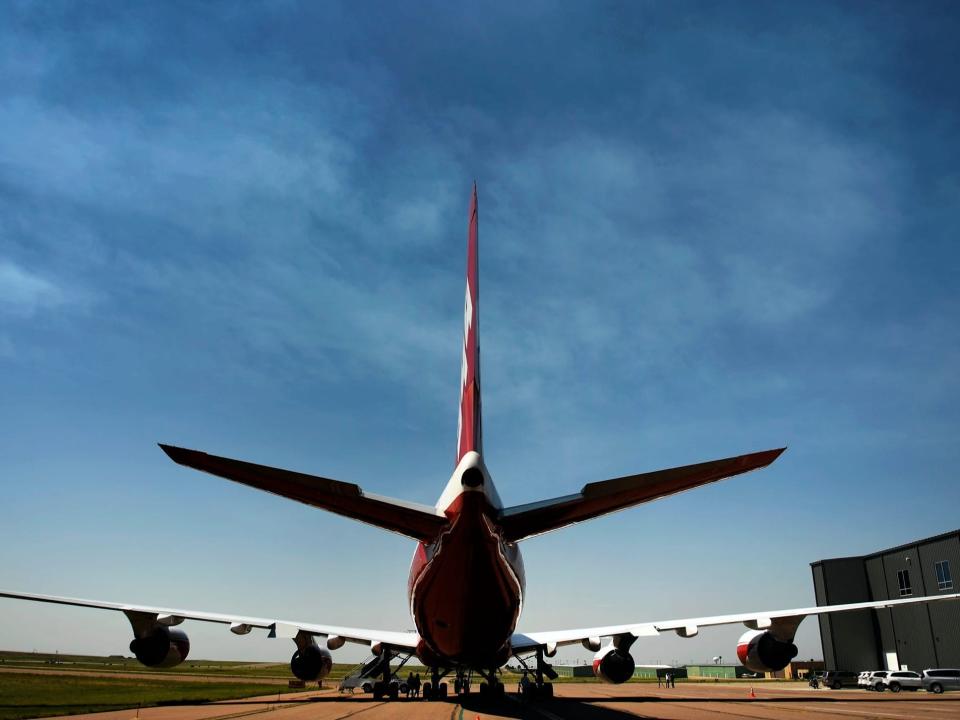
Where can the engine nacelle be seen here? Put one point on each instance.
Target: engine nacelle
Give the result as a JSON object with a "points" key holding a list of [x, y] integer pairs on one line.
{"points": [[760, 651], [311, 663], [162, 648], [613, 665]]}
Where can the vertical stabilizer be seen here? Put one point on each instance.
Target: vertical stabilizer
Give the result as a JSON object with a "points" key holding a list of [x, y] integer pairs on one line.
{"points": [[468, 425]]}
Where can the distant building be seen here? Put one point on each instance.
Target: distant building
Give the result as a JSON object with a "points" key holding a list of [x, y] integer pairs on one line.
{"points": [[574, 670], [913, 637], [797, 670], [717, 671], [639, 672], [652, 672]]}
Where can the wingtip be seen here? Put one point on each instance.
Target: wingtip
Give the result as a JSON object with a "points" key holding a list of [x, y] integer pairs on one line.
{"points": [[174, 453], [772, 455]]}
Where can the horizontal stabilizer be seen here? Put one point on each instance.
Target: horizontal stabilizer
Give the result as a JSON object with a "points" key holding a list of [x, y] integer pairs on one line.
{"points": [[607, 496], [420, 522]]}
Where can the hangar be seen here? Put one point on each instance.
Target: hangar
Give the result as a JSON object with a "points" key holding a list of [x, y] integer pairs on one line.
{"points": [[912, 637]]}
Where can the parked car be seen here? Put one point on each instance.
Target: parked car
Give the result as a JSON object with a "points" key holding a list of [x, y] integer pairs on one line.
{"points": [[902, 680], [862, 678], [875, 680], [837, 679], [940, 679]]}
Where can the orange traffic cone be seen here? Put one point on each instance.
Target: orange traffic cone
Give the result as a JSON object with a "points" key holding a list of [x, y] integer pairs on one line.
{"points": [[752, 693]]}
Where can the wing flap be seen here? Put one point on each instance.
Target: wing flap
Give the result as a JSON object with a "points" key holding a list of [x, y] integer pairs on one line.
{"points": [[607, 496], [420, 522]]}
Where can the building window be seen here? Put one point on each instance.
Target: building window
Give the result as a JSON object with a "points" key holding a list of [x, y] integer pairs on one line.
{"points": [[903, 578], [944, 581]]}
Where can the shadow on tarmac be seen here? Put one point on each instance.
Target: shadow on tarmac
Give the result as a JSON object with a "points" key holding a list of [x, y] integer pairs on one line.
{"points": [[588, 708], [706, 699]]}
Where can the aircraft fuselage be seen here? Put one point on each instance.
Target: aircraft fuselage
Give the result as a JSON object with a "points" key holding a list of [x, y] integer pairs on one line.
{"points": [[466, 589]]}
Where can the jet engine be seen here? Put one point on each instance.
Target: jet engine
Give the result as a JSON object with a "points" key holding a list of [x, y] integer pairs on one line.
{"points": [[613, 665], [760, 651], [161, 648], [311, 663]]}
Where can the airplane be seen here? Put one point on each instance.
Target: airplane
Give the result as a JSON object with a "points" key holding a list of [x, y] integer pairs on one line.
{"points": [[466, 585]]}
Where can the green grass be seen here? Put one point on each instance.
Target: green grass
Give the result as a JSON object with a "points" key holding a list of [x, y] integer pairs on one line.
{"points": [[50, 661], [25, 695]]}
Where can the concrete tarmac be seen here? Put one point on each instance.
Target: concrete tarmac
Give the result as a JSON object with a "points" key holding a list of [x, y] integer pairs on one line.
{"points": [[582, 701]]}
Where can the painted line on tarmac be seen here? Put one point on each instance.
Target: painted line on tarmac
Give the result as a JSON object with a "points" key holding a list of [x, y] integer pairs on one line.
{"points": [[865, 713], [240, 714], [361, 710], [290, 706], [771, 704], [284, 705]]}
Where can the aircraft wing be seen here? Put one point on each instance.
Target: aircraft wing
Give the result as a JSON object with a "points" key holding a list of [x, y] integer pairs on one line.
{"points": [[606, 496], [420, 522], [239, 624], [781, 623]]}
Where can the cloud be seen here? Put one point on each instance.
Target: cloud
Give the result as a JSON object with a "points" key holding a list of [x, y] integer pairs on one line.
{"points": [[24, 293]]}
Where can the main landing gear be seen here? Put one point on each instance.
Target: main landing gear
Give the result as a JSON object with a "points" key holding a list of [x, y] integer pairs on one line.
{"points": [[538, 689], [491, 687], [461, 685], [433, 689], [389, 686]]}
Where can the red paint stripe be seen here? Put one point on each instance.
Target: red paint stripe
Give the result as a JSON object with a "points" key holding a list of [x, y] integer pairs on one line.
{"points": [[469, 431]]}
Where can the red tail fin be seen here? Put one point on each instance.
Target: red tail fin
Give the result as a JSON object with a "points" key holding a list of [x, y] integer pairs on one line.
{"points": [[469, 436]]}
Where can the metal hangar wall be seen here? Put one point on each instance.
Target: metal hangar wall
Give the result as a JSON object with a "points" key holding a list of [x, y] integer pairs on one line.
{"points": [[915, 637]]}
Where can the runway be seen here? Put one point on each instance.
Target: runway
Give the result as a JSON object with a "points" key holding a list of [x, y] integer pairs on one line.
{"points": [[582, 701]]}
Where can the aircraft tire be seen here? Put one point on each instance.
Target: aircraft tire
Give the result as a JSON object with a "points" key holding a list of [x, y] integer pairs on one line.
{"points": [[442, 687]]}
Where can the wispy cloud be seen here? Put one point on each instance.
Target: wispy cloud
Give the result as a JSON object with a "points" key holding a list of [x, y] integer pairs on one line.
{"points": [[24, 293]]}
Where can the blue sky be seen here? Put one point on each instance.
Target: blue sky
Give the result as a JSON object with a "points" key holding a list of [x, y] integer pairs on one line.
{"points": [[705, 230]]}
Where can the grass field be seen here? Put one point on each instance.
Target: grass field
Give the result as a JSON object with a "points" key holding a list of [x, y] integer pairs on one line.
{"points": [[50, 661], [25, 695]]}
